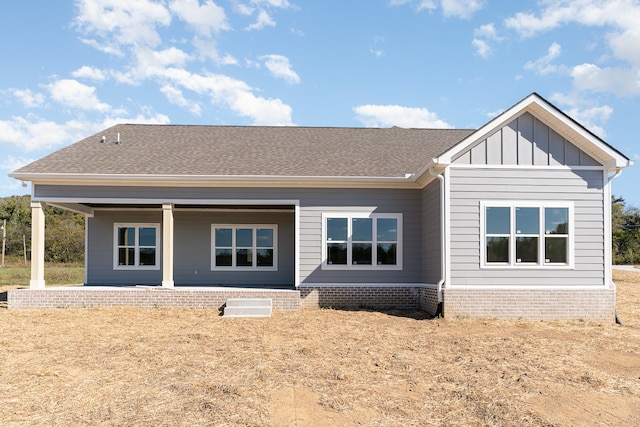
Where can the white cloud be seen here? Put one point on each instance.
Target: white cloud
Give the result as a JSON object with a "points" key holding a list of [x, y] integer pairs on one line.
{"points": [[11, 163], [73, 94], [396, 115], [543, 65], [487, 31], [621, 16], [175, 96], [33, 133], [619, 81], [282, 4], [280, 68], [482, 48], [205, 18], [122, 22], [263, 20], [462, 9], [427, 5], [243, 9], [27, 98], [590, 116], [233, 93], [480, 41], [86, 72]]}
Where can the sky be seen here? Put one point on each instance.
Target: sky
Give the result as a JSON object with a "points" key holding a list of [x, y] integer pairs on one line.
{"points": [[74, 68]]}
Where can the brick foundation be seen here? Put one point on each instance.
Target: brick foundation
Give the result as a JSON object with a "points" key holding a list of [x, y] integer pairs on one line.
{"points": [[88, 296], [535, 304], [376, 297], [428, 300]]}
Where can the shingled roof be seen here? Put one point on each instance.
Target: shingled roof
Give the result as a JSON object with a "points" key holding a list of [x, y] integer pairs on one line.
{"points": [[179, 150]]}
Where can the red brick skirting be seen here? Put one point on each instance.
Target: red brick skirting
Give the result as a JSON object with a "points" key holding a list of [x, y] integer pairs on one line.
{"points": [[89, 296], [536, 304]]}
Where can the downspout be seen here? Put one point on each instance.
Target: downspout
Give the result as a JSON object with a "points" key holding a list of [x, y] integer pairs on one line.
{"points": [[611, 178], [443, 270]]}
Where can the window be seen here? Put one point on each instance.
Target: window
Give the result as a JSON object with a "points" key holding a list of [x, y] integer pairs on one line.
{"points": [[137, 247], [244, 246], [354, 241], [525, 234]]}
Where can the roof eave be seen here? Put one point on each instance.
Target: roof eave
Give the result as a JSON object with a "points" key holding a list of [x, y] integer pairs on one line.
{"points": [[408, 180]]}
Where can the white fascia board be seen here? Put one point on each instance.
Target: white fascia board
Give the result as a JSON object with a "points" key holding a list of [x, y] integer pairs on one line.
{"points": [[552, 117], [407, 181]]}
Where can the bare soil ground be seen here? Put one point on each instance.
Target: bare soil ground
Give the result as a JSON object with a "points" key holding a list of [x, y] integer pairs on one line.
{"points": [[124, 366]]}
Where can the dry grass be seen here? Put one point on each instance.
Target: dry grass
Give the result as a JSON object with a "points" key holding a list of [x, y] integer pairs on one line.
{"points": [[123, 366]]}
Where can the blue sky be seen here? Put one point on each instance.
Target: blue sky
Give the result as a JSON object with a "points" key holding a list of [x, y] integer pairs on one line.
{"points": [[74, 68]]}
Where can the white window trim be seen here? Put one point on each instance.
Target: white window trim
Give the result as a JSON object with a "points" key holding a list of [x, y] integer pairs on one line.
{"points": [[349, 216], [254, 267], [512, 264], [137, 226]]}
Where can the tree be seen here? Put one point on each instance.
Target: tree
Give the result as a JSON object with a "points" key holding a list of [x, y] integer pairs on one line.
{"points": [[17, 211], [625, 228], [64, 230]]}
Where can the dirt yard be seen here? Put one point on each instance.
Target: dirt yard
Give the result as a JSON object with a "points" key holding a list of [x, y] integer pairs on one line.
{"points": [[166, 367]]}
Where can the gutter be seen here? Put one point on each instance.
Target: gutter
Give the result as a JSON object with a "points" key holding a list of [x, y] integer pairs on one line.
{"points": [[443, 261], [408, 181]]}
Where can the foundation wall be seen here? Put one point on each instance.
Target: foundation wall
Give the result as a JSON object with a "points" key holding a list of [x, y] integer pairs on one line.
{"points": [[144, 298], [536, 304]]}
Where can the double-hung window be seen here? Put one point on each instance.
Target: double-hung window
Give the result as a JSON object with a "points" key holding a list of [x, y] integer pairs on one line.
{"points": [[527, 234], [362, 241], [244, 246], [136, 247]]}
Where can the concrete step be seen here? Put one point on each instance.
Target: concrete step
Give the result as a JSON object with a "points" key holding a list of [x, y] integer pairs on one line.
{"points": [[248, 307]]}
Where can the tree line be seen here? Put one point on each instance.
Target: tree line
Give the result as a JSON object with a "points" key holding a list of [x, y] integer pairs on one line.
{"points": [[625, 229], [64, 231]]}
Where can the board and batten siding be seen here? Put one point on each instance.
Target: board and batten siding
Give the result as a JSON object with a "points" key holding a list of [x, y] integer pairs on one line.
{"points": [[470, 186], [525, 141], [313, 202]]}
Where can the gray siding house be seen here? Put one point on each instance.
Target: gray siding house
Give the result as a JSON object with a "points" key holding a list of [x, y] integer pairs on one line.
{"points": [[509, 220]]}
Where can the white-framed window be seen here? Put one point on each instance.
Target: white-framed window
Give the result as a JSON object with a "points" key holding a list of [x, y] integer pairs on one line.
{"points": [[244, 246], [527, 234], [361, 241], [136, 246]]}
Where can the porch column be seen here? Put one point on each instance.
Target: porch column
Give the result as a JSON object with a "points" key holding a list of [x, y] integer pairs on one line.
{"points": [[37, 245], [167, 245]]}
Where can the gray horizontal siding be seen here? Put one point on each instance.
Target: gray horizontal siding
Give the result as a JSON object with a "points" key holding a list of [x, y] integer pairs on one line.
{"points": [[316, 201], [192, 249], [100, 252], [194, 242], [430, 220], [469, 186]]}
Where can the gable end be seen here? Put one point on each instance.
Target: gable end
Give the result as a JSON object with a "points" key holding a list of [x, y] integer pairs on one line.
{"points": [[525, 141]]}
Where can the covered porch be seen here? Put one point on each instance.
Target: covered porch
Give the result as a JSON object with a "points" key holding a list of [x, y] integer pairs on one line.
{"points": [[187, 245]]}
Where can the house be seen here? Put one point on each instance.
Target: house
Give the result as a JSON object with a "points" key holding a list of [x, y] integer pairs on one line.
{"points": [[509, 220]]}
